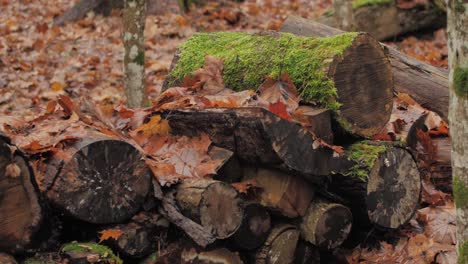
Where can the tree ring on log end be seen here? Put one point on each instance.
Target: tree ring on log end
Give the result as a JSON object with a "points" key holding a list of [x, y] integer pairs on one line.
{"points": [[364, 82], [393, 189], [221, 209], [104, 182]]}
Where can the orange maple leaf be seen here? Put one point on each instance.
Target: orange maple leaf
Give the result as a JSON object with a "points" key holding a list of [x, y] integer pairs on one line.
{"points": [[110, 233]]}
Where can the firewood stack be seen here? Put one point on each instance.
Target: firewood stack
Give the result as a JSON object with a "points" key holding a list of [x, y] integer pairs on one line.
{"points": [[211, 175]]}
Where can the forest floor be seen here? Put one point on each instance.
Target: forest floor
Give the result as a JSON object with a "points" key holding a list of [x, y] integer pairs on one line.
{"points": [[38, 62]]}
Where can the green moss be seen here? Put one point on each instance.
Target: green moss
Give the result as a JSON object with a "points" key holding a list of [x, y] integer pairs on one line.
{"points": [[463, 253], [361, 3], [460, 192], [248, 59], [365, 155], [140, 58], [104, 252], [459, 6], [460, 81]]}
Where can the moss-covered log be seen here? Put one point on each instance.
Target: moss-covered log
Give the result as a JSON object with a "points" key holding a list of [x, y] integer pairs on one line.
{"points": [[382, 185], [89, 253], [348, 73], [427, 85], [326, 225], [21, 212], [383, 19]]}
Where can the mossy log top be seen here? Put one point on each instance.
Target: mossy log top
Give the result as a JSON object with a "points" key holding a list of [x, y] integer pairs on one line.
{"points": [[347, 73]]}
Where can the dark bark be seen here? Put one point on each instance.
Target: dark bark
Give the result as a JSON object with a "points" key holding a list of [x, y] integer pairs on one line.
{"points": [[427, 85], [315, 120], [254, 229], [306, 253]]}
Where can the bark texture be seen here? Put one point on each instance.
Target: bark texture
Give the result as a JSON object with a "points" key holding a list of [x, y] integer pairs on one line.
{"points": [[344, 14], [458, 116], [134, 15]]}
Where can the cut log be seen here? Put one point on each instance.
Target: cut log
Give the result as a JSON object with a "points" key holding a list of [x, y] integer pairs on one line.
{"points": [[97, 179], [427, 85], [213, 204], [323, 69], [279, 247], [306, 253], [257, 136], [254, 229], [215, 256], [326, 225], [283, 193], [20, 207], [382, 186], [316, 121], [384, 19]]}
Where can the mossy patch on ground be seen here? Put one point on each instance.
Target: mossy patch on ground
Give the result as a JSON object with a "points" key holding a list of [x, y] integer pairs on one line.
{"points": [[365, 155], [361, 3], [104, 252], [460, 81], [250, 58]]}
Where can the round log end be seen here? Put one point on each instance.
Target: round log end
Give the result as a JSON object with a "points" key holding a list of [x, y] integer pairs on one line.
{"points": [[364, 82], [280, 246], [104, 182], [393, 189], [326, 225]]}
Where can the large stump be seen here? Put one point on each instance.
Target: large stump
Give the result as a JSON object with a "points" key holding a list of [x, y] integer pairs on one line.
{"points": [[213, 204], [20, 209], [348, 73], [427, 85], [382, 186]]}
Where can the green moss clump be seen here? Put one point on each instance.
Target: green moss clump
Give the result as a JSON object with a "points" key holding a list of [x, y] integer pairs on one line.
{"points": [[460, 192], [460, 81], [361, 3], [365, 155], [249, 58], [463, 253], [104, 252]]}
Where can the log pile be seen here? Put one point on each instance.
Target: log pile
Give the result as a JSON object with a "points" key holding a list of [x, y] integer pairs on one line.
{"points": [[212, 175]]}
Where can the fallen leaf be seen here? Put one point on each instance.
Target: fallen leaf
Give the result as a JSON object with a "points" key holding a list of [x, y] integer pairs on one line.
{"points": [[110, 233], [246, 186]]}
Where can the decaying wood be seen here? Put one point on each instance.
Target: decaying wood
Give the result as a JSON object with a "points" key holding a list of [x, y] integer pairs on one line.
{"points": [[427, 85], [387, 192], [387, 20], [254, 229], [364, 109], [216, 256], [286, 194], [279, 247], [20, 206], [326, 225], [213, 204]]}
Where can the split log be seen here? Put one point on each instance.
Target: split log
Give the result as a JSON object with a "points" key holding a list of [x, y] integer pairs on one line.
{"points": [[384, 19], [213, 204], [382, 186], [257, 136], [97, 179], [326, 225], [289, 195], [279, 247], [323, 69], [20, 206], [427, 85], [216, 256], [254, 229]]}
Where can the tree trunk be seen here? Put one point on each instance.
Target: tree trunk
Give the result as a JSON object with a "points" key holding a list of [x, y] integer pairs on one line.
{"points": [[428, 85], [326, 225], [213, 204], [458, 115], [279, 247], [343, 10], [383, 185], [385, 20], [20, 209], [257, 136], [323, 69], [134, 15], [254, 229], [283, 193]]}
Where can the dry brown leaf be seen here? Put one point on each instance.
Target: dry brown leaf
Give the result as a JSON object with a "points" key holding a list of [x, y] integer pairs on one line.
{"points": [[12, 170], [210, 77], [278, 91], [110, 233], [155, 126], [440, 223], [246, 186]]}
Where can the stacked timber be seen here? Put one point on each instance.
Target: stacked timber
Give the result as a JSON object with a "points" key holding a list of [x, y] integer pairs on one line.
{"points": [[213, 175]]}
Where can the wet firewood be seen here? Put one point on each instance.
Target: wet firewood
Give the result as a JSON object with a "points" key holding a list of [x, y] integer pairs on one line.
{"points": [[215, 256], [279, 247], [324, 70], [326, 225], [213, 204], [382, 186], [283, 193], [427, 85], [20, 206], [254, 229]]}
